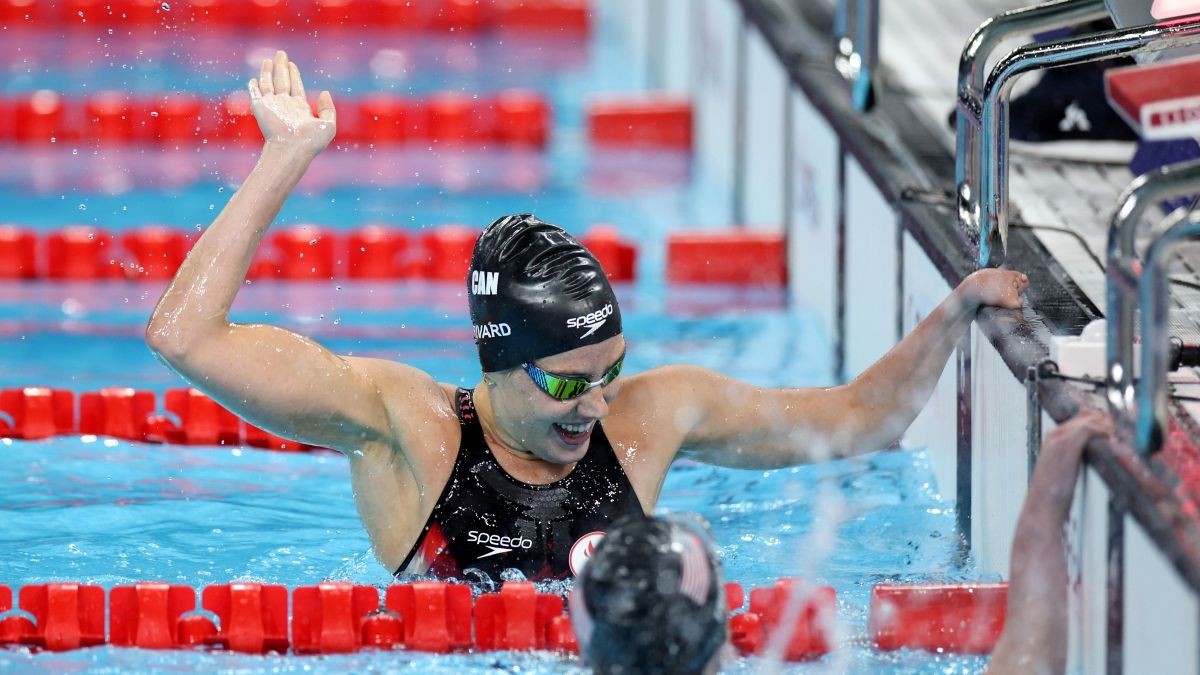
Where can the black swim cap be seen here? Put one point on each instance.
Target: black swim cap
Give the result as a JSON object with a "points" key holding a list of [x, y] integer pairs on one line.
{"points": [[534, 291], [650, 600]]}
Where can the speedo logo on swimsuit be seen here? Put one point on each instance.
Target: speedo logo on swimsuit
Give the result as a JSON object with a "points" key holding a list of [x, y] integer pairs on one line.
{"points": [[497, 544], [592, 322], [484, 283], [491, 330]]}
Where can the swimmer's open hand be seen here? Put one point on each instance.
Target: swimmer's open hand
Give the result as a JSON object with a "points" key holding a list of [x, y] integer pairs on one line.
{"points": [[284, 116], [993, 288]]}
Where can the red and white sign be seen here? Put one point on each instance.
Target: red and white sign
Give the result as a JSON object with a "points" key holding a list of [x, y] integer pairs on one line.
{"points": [[581, 551], [1159, 100]]}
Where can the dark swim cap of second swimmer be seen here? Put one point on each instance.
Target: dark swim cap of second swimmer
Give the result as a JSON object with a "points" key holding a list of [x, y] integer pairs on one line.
{"points": [[534, 291], [650, 600]]}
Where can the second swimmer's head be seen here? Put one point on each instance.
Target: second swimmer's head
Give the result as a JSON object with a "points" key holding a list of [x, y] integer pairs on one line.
{"points": [[535, 291], [650, 600]]}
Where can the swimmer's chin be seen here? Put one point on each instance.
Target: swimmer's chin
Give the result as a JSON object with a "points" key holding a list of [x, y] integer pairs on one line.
{"points": [[568, 454], [555, 454]]}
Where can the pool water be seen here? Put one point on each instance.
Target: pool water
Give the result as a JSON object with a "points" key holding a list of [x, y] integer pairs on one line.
{"points": [[113, 512]]}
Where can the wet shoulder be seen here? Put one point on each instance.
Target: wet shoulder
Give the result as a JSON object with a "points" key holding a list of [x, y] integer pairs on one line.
{"points": [[645, 414], [657, 392]]}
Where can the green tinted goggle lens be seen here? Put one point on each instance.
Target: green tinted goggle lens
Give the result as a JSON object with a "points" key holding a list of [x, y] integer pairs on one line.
{"points": [[566, 387]]}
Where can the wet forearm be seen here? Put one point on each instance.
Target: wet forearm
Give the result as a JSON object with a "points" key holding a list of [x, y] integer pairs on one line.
{"points": [[1035, 632], [894, 389], [863, 416]]}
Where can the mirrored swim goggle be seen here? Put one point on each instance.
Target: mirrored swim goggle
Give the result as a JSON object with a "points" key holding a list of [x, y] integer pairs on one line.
{"points": [[567, 387]]}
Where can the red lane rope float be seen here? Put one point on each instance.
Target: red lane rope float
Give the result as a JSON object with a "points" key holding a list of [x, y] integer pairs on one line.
{"points": [[18, 253], [966, 619], [65, 616], [431, 616], [518, 618], [12, 627], [147, 615], [119, 412], [305, 253], [807, 627], [80, 253], [509, 118], [660, 121], [727, 257], [572, 17], [438, 615], [328, 618], [253, 617], [36, 412]]}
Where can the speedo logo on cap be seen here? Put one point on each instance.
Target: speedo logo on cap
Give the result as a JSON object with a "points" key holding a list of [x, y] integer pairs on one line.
{"points": [[591, 322]]}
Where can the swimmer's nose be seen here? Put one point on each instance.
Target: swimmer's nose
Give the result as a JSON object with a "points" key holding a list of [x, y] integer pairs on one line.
{"points": [[593, 404]]}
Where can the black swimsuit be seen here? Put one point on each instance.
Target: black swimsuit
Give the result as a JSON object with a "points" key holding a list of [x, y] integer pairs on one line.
{"points": [[487, 520]]}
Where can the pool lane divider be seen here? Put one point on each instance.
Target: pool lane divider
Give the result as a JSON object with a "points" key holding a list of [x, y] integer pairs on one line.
{"points": [[187, 417], [438, 617], [569, 18], [374, 252], [516, 118], [307, 253], [508, 118], [329, 618]]}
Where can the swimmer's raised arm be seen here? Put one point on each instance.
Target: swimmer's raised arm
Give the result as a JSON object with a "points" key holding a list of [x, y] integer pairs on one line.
{"points": [[278, 380], [1035, 631], [732, 423]]}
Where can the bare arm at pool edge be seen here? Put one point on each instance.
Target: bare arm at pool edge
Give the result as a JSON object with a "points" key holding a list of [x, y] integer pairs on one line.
{"points": [[1035, 630], [277, 379], [732, 423]]}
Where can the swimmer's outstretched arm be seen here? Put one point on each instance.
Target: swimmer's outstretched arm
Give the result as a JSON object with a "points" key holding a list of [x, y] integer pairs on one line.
{"points": [[724, 421], [278, 380], [1035, 631]]}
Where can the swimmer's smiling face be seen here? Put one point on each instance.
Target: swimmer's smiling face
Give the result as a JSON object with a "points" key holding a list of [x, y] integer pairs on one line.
{"points": [[529, 420]]}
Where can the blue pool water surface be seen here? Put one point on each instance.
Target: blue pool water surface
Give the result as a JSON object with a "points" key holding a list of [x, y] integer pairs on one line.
{"points": [[113, 512]]}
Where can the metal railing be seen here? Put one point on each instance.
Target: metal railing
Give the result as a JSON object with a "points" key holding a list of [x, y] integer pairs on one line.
{"points": [[982, 119], [1144, 409]]}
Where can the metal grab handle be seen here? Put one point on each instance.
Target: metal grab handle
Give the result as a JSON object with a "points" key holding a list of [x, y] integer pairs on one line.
{"points": [[969, 166], [1148, 416], [982, 169], [1097, 47], [1151, 421], [856, 57], [1023, 21]]}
